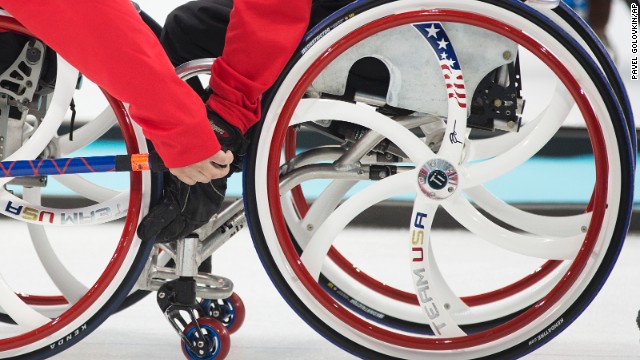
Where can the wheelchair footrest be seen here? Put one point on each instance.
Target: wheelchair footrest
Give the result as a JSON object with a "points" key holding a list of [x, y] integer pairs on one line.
{"points": [[206, 285]]}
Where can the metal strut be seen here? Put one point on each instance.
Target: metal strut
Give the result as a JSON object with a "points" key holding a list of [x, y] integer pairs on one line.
{"points": [[177, 300], [177, 297]]}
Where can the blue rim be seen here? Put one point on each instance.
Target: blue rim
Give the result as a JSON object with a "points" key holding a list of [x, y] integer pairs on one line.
{"points": [[212, 336], [227, 308]]}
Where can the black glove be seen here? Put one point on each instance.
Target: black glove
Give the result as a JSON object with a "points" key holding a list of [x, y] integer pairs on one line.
{"points": [[230, 138], [184, 208]]}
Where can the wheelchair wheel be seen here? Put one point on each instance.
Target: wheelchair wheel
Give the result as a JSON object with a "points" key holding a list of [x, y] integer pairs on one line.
{"points": [[77, 261], [447, 136]]}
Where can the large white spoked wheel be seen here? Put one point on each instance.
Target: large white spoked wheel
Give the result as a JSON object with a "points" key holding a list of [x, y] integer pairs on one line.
{"points": [[411, 293], [66, 266]]}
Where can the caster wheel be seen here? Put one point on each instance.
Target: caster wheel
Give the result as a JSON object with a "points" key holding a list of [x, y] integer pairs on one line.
{"points": [[215, 344], [229, 311]]}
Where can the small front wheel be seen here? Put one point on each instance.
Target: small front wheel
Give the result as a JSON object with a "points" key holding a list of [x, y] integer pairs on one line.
{"points": [[214, 344], [230, 311]]}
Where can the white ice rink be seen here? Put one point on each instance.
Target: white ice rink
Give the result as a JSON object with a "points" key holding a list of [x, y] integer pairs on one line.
{"points": [[272, 331]]}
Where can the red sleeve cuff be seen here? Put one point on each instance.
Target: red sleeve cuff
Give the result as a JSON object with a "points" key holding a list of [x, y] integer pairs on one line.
{"points": [[177, 152]]}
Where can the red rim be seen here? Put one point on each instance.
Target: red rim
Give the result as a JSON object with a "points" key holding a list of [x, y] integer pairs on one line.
{"points": [[239, 313], [43, 300], [121, 251], [541, 306]]}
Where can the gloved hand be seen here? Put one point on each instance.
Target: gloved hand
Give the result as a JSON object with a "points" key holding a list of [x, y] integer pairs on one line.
{"points": [[230, 138], [184, 208]]}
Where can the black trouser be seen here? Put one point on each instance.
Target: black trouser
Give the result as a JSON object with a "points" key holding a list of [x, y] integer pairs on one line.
{"points": [[197, 29]]}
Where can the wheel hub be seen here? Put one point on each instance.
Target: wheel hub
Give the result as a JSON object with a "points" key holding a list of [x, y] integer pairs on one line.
{"points": [[438, 179]]}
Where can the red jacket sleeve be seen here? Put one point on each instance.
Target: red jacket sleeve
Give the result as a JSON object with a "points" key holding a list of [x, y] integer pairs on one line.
{"points": [[261, 37], [108, 42]]}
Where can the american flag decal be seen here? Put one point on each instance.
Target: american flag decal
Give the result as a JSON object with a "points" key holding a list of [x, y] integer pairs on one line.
{"points": [[439, 41]]}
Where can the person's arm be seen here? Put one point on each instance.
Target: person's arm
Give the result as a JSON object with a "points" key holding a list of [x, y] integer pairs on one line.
{"points": [[261, 37], [108, 42]]}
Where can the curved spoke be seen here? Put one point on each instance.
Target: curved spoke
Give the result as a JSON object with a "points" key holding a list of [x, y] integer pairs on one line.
{"points": [[315, 253], [100, 213], [323, 206], [19, 311], [318, 211], [322, 109], [552, 248], [558, 226], [293, 220], [69, 286], [436, 298], [447, 60], [480, 173], [86, 188]]}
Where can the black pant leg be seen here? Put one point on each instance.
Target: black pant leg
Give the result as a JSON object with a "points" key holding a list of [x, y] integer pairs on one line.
{"points": [[196, 30]]}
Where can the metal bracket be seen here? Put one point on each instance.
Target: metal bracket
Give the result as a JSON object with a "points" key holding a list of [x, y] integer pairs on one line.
{"points": [[20, 80], [177, 300], [497, 102], [18, 84], [178, 288], [187, 256]]}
